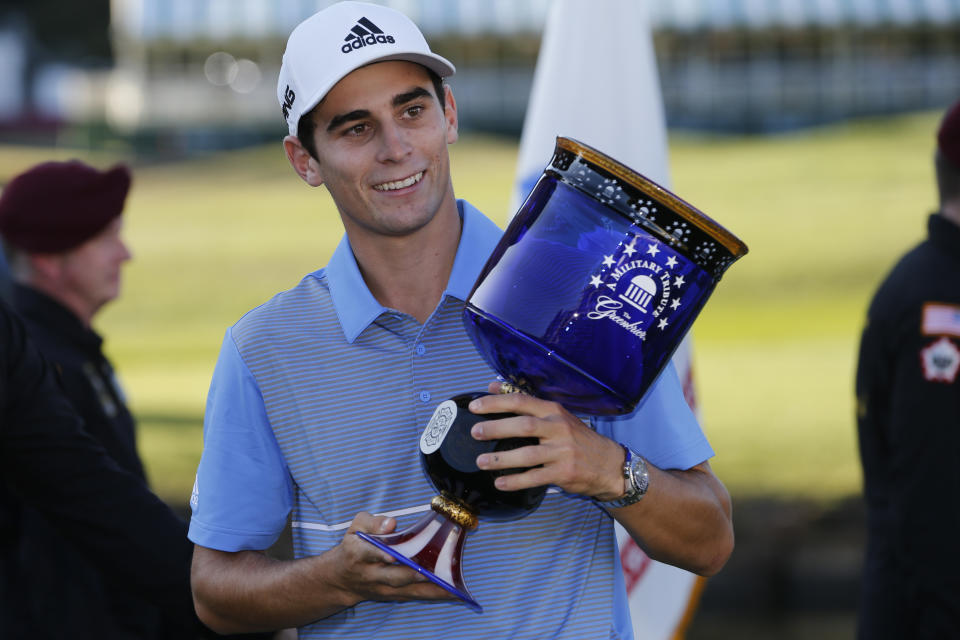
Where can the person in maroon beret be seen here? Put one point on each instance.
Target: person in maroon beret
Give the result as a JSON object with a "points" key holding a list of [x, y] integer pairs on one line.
{"points": [[61, 222], [908, 415], [61, 227]]}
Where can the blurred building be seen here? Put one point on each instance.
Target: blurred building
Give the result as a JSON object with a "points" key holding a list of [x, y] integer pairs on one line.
{"points": [[761, 65], [42, 44], [201, 73]]}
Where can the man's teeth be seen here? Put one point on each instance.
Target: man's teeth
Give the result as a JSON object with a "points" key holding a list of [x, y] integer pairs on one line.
{"points": [[399, 184]]}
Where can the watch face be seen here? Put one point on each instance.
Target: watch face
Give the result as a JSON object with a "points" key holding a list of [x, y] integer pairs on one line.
{"points": [[637, 479], [634, 481]]}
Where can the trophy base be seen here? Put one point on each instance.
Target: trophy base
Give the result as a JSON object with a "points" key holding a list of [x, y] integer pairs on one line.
{"points": [[432, 547]]}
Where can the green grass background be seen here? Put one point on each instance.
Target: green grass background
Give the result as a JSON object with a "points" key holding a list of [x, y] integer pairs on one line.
{"points": [[825, 213]]}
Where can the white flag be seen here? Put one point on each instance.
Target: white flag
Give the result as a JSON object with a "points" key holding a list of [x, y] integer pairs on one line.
{"points": [[596, 81]]}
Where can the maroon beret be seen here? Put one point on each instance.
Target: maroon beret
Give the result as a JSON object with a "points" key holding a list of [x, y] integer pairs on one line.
{"points": [[948, 138], [56, 206]]}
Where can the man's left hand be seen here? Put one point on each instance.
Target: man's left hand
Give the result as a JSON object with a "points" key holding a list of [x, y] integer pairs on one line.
{"points": [[570, 454]]}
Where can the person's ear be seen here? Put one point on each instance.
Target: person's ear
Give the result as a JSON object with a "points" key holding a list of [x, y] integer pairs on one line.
{"points": [[302, 162], [46, 266], [450, 113]]}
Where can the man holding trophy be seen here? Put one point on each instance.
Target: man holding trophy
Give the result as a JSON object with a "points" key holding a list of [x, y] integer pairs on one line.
{"points": [[320, 397]]}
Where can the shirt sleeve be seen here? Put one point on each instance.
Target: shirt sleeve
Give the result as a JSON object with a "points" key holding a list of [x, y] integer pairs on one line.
{"points": [[243, 491], [662, 428]]}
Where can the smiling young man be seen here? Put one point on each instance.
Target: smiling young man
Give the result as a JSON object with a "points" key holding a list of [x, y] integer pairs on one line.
{"points": [[320, 396]]}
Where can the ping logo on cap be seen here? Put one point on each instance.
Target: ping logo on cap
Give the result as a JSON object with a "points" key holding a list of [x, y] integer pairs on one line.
{"points": [[288, 97], [364, 33]]}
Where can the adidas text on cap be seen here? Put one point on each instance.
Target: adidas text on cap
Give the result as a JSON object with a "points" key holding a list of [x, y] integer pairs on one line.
{"points": [[330, 44]]}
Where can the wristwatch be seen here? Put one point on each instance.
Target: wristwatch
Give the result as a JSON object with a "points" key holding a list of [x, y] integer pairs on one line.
{"points": [[637, 480]]}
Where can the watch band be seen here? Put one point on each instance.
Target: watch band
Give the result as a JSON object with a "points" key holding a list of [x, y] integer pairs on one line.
{"points": [[638, 479]]}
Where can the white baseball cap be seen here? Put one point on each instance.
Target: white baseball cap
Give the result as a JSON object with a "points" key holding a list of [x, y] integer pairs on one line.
{"points": [[331, 43]]}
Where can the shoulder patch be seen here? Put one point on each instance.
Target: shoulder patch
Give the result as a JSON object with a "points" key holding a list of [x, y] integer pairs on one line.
{"points": [[940, 361], [940, 319]]}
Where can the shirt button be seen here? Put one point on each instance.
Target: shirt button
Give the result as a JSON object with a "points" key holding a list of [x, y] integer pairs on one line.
{"points": [[425, 396], [421, 349]]}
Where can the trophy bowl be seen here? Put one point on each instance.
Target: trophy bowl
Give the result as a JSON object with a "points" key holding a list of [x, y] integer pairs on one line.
{"points": [[595, 283], [589, 292]]}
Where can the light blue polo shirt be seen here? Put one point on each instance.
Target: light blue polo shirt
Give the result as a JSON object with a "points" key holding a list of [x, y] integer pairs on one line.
{"points": [[315, 411]]}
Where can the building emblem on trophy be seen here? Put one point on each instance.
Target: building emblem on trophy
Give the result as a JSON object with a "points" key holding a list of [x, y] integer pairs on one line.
{"points": [[642, 289], [640, 292]]}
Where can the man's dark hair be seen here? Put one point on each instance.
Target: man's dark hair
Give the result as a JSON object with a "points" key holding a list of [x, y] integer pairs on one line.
{"points": [[307, 126], [948, 178]]}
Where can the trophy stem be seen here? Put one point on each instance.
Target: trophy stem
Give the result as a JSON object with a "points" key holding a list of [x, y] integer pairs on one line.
{"points": [[433, 546]]}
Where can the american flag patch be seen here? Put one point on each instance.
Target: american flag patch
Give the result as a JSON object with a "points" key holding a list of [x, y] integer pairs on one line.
{"points": [[940, 319]]}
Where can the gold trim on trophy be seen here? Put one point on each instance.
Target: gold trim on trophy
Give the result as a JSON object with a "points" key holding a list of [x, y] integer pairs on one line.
{"points": [[455, 512], [509, 387], [681, 207]]}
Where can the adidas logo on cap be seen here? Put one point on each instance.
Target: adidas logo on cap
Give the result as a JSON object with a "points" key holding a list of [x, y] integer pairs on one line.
{"points": [[317, 53], [364, 33]]}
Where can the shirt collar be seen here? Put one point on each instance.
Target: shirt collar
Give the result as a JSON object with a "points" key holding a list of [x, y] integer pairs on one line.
{"points": [[477, 241], [43, 310], [357, 308]]}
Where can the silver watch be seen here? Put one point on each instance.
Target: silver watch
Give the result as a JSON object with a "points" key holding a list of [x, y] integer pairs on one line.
{"points": [[637, 480]]}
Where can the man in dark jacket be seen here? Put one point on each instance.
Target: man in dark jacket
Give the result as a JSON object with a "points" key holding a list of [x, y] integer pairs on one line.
{"points": [[104, 513], [61, 224], [908, 410]]}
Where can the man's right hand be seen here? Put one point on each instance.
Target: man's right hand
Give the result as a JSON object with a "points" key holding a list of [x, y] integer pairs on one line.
{"points": [[373, 574], [245, 591]]}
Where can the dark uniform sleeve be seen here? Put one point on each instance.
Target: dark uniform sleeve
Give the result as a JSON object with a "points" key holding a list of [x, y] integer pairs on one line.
{"points": [[58, 469], [908, 389], [925, 438]]}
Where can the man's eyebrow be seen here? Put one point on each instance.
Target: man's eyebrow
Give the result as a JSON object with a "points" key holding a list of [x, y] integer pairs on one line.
{"points": [[336, 121], [413, 94], [359, 114]]}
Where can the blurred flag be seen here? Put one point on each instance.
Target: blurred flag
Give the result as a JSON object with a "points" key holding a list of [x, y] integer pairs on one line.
{"points": [[596, 81]]}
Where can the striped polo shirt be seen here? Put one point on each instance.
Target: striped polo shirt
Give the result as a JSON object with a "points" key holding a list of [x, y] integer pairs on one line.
{"points": [[315, 411]]}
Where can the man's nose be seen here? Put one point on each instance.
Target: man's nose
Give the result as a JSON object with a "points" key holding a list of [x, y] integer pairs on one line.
{"points": [[123, 253], [394, 143]]}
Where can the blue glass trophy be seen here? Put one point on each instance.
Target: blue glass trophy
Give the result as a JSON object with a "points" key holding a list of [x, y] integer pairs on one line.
{"points": [[595, 283], [583, 302]]}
